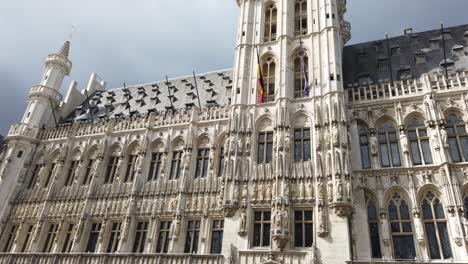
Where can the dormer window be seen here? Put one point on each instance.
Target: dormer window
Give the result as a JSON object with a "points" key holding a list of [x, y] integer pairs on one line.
{"points": [[419, 57], [447, 63], [458, 51], [395, 50], [404, 73], [434, 43], [382, 63]]}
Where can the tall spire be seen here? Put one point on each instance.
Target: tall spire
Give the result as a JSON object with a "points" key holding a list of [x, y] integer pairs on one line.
{"points": [[65, 50]]}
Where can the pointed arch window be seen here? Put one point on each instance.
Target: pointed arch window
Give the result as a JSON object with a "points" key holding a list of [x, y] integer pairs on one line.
{"points": [[300, 18], [401, 228], [457, 138], [388, 143], [301, 63], [364, 146], [435, 225], [268, 71], [373, 221], [271, 16], [419, 143]]}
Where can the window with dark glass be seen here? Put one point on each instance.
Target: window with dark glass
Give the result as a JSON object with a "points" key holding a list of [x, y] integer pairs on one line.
{"points": [[111, 170], [435, 225], [27, 239], [203, 156], [389, 150], [50, 174], [269, 79], [300, 18], [373, 222], [419, 143], [131, 168], [401, 228], [11, 238], [303, 225], [114, 239], [175, 165], [217, 236], [193, 233], [457, 138], [302, 144], [140, 237], [163, 237], [265, 147], [221, 162], [155, 166], [50, 238], [465, 205], [34, 176], [87, 176], [71, 173], [93, 237], [271, 14], [67, 244], [301, 76], [364, 147], [261, 228]]}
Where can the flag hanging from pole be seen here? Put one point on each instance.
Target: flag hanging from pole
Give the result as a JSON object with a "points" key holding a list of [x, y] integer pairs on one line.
{"points": [[304, 70], [261, 90]]}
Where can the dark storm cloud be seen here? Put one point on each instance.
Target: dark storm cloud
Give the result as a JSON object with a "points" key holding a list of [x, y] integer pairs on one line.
{"points": [[142, 41]]}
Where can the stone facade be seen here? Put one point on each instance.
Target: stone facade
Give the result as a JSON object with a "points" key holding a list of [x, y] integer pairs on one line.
{"points": [[356, 154]]}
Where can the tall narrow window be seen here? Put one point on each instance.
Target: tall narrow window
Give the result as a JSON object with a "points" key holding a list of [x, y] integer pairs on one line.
{"points": [[50, 174], [93, 237], [131, 168], [163, 237], [303, 224], [401, 228], [11, 238], [87, 176], [465, 206], [261, 229], [302, 144], [301, 62], [27, 239], [373, 222], [67, 244], [203, 156], [457, 138], [140, 237], [111, 170], [114, 239], [217, 237], [193, 233], [155, 166], [271, 15], [34, 176], [221, 162], [265, 147], [300, 18], [175, 165], [419, 143], [71, 173], [435, 225], [389, 150], [364, 146], [51, 234], [269, 80]]}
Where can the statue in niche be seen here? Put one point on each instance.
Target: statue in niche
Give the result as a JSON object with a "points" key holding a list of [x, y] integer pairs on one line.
{"points": [[244, 192], [319, 165], [330, 189], [335, 135], [287, 141], [374, 145], [254, 191], [318, 141], [285, 221], [435, 140], [329, 164], [443, 135], [278, 221], [326, 137], [286, 190], [320, 188], [430, 107], [268, 192], [243, 221], [235, 192], [339, 185], [310, 190], [404, 142], [348, 187], [261, 192], [301, 190]]}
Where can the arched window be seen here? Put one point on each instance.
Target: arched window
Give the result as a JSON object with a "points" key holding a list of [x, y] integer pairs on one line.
{"points": [[373, 222], [389, 150], [401, 228], [457, 138], [364, 146], [300, 18], [465, 206], [269, 68], [419, 143], [301, 77], [435, 225], [271, 14]]}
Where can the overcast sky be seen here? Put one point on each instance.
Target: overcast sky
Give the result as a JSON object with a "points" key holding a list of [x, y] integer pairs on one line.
{"points": [[142, 41]]}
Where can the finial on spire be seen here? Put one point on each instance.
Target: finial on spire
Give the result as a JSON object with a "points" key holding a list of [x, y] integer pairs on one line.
{"points": [[65, 50]]}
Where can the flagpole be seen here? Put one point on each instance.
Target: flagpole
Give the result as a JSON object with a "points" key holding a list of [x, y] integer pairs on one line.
{"points": [[196, 87], [389, 55], [445, 53]]}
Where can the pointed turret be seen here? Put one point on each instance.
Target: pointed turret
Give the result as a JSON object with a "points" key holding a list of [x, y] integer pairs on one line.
{"points": [[65, 49]]}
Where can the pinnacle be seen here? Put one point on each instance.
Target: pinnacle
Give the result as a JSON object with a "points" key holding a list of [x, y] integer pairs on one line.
{"points": [[65, 49]]}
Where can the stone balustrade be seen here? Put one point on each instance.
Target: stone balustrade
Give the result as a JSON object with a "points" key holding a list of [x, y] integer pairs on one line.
{"points": [[292, 257], [22, 130], [41, 90], [416, 261], [42, 258]]}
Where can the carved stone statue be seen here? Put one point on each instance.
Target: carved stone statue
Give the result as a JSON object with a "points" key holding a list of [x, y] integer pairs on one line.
{"points": [[374, 145], [443, 135], [335, 136], [243, 222], [244, 192], [310, 190], [301, 190], [278, 221], [330, 189], [404, 142]]}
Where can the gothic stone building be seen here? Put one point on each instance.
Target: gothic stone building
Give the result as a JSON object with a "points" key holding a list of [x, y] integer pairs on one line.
{"points": [[356, 154]]}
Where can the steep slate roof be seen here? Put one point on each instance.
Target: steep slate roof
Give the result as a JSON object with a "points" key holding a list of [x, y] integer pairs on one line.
{"points": [[412, 55], [368, 62]]}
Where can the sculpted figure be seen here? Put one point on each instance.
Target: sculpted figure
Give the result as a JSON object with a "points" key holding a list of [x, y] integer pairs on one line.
{"points": [[374, 145], [404, 142]]}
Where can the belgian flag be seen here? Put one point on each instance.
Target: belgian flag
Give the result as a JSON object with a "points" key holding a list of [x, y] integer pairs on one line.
{"points": [[261, 90]]}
